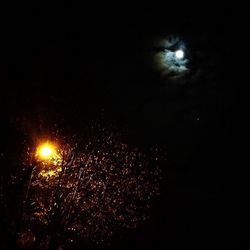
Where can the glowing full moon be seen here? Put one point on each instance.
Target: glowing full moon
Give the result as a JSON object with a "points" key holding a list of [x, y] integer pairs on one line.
{"points": [[179, 54]]}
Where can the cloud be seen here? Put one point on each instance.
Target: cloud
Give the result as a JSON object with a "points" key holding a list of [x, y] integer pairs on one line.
{"points": [[166, 60]]}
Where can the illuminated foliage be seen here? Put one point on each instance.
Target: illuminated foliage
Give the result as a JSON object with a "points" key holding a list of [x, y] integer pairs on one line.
{"points": [[97, 188]]}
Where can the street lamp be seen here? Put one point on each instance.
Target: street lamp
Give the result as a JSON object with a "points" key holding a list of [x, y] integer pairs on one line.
{"points": [[46, 151]]}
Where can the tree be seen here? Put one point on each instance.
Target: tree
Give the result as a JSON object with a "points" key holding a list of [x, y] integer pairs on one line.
{"points": [[91, 189]]}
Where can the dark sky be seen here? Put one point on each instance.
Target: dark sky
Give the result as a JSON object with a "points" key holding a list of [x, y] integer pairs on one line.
{"points": [[70, 65]]}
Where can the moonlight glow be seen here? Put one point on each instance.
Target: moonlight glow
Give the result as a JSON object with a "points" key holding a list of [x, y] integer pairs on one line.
{"points": [[171, 60], [179, 54]]}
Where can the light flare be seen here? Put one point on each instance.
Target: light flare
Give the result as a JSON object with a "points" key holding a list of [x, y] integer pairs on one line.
{"points": [[46, 151]]}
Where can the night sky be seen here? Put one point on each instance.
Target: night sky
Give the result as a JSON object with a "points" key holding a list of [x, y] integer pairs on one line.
{"points": [[68, 67]]}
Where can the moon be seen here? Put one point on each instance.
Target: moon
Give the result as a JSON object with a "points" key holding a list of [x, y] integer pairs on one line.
{"points": [[179, 54]]}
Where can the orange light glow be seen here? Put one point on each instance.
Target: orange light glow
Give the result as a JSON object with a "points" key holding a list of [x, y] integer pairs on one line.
{"points": [[46, 151], [50, 173]]}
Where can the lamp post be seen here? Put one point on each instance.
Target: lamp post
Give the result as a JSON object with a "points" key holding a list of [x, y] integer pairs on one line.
{"points": [[45, 153]]}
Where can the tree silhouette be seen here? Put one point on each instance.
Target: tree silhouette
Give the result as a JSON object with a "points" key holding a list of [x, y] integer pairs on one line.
{"points": [[92, 189]]}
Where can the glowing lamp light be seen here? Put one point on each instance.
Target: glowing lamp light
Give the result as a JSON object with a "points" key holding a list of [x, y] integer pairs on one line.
{"points": [[46, 151], [179, 54]]}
